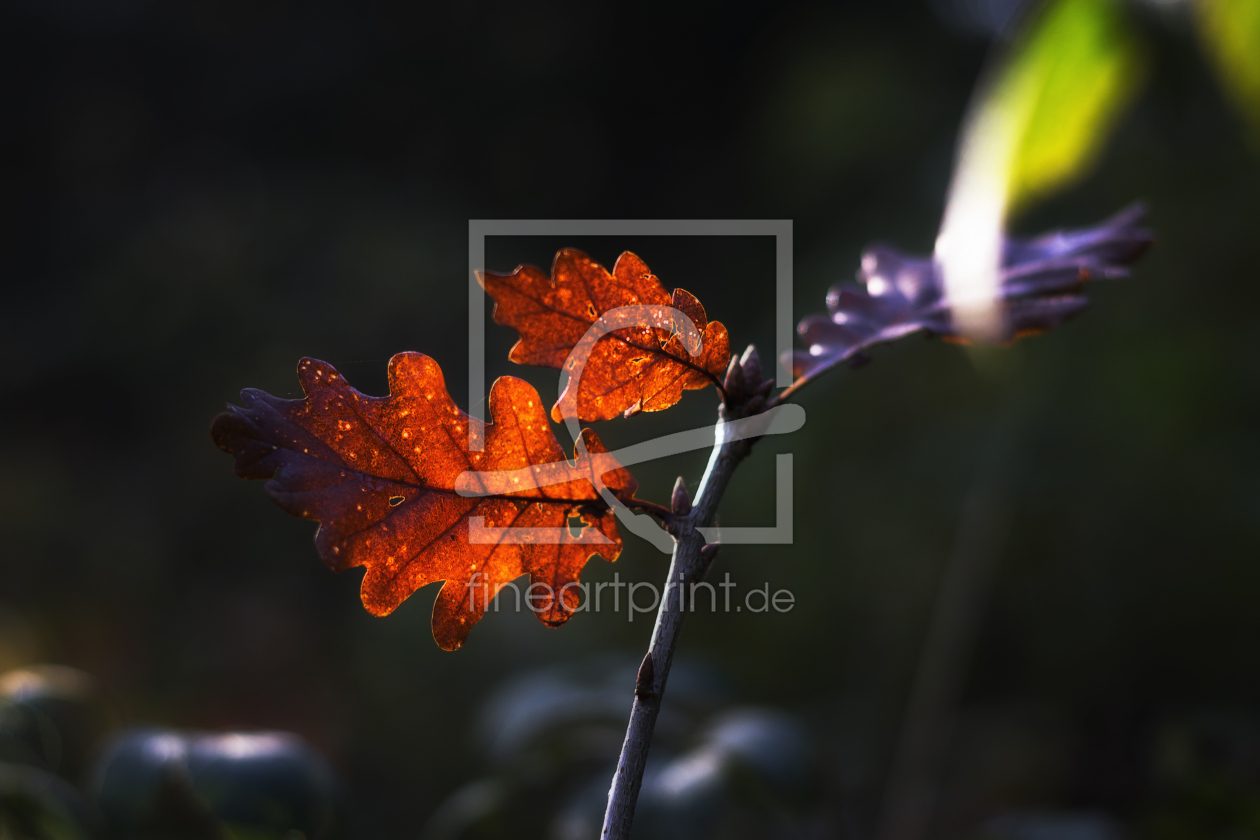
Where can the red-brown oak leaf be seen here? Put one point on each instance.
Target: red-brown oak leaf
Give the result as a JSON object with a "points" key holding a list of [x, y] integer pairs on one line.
{"points": [[642, 368], [380, 474]]}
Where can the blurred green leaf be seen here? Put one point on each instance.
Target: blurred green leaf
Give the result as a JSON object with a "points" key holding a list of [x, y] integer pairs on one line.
{"points": [[1230, 30], [1039, 120], [1060, 90]]}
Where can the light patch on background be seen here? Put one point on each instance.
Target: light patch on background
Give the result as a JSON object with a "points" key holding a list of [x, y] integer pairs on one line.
{"points": [[969, 245]]}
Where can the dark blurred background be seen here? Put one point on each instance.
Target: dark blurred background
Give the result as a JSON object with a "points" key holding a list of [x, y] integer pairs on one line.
{"points": [[199, 193]]}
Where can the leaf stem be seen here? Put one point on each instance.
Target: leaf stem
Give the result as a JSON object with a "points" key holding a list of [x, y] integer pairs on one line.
{"points": [[660, 511], [687, 566], [801, 381]]}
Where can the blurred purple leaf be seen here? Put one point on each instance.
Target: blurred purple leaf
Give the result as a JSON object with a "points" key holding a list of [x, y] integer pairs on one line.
{"points": [[1041, 286]]}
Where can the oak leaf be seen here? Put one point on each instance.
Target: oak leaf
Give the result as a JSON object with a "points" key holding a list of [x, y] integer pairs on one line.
{"points": [[629, 370], [1041, 286], [380, 475]]}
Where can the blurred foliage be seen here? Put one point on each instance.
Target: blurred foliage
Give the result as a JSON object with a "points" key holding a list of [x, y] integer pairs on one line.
{"points": [[551, 738], [1034, 825], [51, 717], [51, 720], [36, 805], [1230, 30], [230, 786], [148, 784], [1060, 91]]}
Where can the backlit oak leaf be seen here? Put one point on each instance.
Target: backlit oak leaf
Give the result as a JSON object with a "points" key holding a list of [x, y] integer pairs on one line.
{"points": [[629, 370], [1041, 286], [380, 475]]}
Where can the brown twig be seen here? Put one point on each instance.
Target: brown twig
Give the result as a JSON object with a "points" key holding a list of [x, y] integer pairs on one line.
{"points": [[688, 565]]}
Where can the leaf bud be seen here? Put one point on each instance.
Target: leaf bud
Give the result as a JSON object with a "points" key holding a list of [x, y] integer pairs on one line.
{"points": [[680, 501], [751, 364], [644, 683], [734, 383]]}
